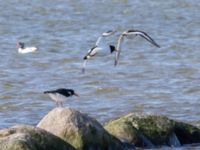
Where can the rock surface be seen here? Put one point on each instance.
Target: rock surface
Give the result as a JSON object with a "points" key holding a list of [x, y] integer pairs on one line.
{"points": [[68, 129], [79, 130], [24, 137], [152, 130]]}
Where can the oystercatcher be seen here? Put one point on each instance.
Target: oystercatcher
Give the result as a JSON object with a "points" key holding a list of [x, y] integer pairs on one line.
{"points": [[59, 95]]}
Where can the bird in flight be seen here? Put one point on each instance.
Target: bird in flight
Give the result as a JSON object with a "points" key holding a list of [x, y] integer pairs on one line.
{"points": [[96, 49], [128, 34]]}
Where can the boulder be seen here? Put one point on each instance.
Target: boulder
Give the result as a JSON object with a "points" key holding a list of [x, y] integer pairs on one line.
{"points": [[186, 133], [24, 137], [152, 130], [80, 130]]}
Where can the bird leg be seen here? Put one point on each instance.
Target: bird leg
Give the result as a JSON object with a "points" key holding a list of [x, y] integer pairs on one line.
{"points": [[57, 104], [61, 104]]}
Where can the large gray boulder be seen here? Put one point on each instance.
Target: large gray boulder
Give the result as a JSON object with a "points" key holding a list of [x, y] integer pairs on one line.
{"points": [[24, 137], [78, 129], [152, 130]]}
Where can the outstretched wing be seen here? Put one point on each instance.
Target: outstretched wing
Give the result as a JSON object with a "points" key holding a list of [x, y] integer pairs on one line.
{"points": [[98, 41], [108, 33], [144, 35], [119, 43], [104, 34]]}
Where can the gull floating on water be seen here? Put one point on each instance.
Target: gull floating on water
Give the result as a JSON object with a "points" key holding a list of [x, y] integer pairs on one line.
{"points": [[94, 50], [60, 95], [127, 34], [23, 50]]}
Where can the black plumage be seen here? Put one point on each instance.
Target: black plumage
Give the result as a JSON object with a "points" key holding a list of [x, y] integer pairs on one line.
{"points": [[59, 95], [62, 91]]}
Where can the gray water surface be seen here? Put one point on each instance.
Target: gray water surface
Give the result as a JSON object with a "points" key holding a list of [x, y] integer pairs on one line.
{"points": [[162, 80]]}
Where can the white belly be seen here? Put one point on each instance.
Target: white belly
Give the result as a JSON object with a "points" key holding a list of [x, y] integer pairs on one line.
{"points": [[102, 51], [57, 97], [27, 50]]}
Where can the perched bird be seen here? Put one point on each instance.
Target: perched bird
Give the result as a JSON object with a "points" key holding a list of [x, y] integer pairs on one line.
{"points": [[22, 49], [128, 34], [60, 95], [96, 49]]}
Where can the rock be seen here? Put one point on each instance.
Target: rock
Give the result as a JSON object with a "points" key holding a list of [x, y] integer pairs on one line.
{"points": [[174, 141], [187, 133], [152, 131], [78, 129], [126, 130], [24, 137]]}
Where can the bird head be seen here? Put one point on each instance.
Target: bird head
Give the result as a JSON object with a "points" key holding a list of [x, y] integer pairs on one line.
{"points": [[85, 57], [75, 94], [20, 45]]}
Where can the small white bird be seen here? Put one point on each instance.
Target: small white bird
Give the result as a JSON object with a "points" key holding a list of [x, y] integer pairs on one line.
{"points": [[96, 49], [128, 34], [23, 50]]}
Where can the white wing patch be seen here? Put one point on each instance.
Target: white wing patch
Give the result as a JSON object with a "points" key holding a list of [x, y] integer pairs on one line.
{"points": [[57, 97]]}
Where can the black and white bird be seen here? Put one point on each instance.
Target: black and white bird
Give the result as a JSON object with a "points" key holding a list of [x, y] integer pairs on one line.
{"points": [[23, 50], [96, 49], [130, 34], [59, 95]]}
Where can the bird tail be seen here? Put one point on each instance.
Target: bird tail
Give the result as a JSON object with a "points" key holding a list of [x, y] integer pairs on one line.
{"points": [[112, 48], [47, 92]]}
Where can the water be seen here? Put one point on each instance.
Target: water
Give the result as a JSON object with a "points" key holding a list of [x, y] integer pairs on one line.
{"points": [[163, 81]]}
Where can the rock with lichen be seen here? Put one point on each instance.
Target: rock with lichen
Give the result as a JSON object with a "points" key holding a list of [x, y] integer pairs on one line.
{"points": [[24, 137], [152, 130], [78, 129], [187, 133]]}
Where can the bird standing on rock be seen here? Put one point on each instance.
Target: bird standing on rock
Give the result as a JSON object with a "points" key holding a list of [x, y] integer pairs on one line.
{"points": [[60, 95], [128, 34]]}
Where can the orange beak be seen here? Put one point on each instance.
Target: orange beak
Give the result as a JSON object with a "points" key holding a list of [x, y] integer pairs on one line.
{"points": [[76, 94]]}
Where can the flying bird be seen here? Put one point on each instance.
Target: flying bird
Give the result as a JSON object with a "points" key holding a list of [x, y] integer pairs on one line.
{"points": [[23, 50], [96, 49], [59, 95], [92, 52], [127, 34]]}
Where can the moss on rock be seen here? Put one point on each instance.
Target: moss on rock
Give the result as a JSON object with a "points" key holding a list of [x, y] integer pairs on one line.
{"points": [[24, 137], [152, 130], [78, 129], [155, 128], [187, 133]]}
